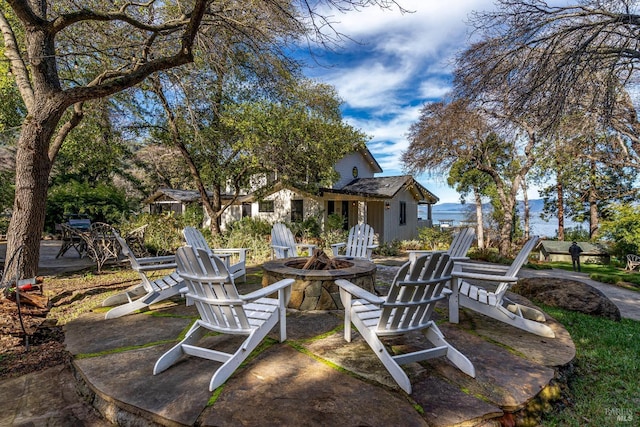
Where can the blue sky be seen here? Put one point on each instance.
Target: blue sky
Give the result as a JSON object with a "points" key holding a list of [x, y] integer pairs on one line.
{"points": [[395, 64]]}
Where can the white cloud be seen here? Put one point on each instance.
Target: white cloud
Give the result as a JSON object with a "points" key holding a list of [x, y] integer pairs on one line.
{"points": [[396, 64]]}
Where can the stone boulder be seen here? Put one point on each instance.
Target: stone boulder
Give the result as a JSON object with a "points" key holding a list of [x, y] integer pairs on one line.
{"points": [[568, 294]]}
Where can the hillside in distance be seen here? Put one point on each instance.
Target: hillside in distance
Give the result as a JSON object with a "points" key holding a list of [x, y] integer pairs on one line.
{"points": [[535, 205]]}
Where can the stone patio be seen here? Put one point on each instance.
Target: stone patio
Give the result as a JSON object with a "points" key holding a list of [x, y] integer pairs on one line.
{"points": [[315, 377]]}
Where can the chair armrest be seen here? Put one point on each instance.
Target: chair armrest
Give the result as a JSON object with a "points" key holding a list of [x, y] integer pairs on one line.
{"points": [[241, 252], [268, 290], [154, 263], [372, 247], [284, 249], [358, 292], [155, 267], [496, 268], [335, 248], [156, 259], [484, 277], [309, 246]]}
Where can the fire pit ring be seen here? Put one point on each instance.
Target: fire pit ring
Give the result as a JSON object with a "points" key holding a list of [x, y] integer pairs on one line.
{"points": [[316, 289]]}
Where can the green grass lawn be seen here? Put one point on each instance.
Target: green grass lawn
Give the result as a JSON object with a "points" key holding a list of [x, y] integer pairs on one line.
{"points": [[605, 273], [604, 386]]}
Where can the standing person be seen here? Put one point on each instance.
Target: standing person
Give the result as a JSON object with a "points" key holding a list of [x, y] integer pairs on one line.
{"points": [[575, 250]]}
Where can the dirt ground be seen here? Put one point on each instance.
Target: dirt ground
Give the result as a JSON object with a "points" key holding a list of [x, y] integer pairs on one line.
{"points": [[66, 297]]}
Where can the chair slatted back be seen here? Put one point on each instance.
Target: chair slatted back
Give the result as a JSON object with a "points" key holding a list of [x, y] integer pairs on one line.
{"points": [[282, 236], [126, 251], [414, 293], [360, 236], [135, 265], [212, 290], [461, 242], [516, 265], [195, 239]]}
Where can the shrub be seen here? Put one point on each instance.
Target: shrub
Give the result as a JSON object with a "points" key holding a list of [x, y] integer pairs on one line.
{"points": [[434, 238], [309, 228], [163, 235], [388, 248], [250, 233], [623, 229], [409, 245]]}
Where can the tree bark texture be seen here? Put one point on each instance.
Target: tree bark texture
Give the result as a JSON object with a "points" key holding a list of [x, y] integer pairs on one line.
{"points": [[479, 219]]}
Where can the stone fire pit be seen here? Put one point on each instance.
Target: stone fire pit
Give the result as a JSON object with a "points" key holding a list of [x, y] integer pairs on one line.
{"points": [[316, 289]]}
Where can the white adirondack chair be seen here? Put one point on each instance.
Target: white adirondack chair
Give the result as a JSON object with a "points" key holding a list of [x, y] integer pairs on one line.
{"points": [[359, 244], [458, 249], [494, 303], [148, 291], [415, 290], [633, 262], [238, 270], [223, 310], [283, 243]]}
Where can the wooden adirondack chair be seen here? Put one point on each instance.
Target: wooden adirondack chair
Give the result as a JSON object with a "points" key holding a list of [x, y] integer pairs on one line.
{"points": [[494, 303], [223, 310], [359, 244], [415, 290], [148, 291], [283, 243], [458, 249], [238, 269]]}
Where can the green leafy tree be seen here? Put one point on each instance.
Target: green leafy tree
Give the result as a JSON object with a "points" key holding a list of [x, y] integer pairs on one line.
{"points": [[229, 136], [65, 53], [622, 228], [102, 202], [454, 131], [467, 180]]}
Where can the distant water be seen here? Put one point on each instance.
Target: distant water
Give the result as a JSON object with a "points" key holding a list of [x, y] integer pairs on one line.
{"points": [[537, 225]]}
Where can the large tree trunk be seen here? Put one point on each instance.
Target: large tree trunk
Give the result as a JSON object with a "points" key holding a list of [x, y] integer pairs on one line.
{"points": [[560, 206], [527, 212], [479, 219], [593, 202], [32, 180]]}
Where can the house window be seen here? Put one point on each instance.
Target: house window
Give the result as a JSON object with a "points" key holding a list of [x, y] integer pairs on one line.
{"points": [[403, 213], [297, 211], [246, 209], [265, 206]]}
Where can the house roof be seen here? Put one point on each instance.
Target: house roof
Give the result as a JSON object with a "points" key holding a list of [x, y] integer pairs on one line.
{"points": [[386, 187], [556, 247], [375, 166], [183, 196]]}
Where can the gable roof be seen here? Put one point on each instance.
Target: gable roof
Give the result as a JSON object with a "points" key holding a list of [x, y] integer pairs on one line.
{"points": [[165, 194], [557, 247], [386, 187], [368, 157], [185, 196]]}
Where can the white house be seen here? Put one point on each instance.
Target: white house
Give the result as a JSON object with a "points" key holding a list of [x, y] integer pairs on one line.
{"points": [[389, 204]]}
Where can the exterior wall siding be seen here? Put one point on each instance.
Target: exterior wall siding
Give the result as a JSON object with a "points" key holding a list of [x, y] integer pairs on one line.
{"points": [[345, 168], [392, 225]]}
